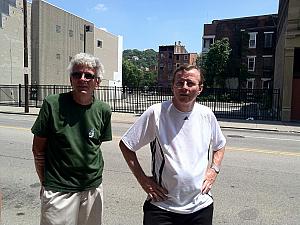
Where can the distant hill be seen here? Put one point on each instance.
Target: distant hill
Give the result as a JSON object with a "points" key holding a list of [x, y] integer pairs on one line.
{"points": [[142, 59]]}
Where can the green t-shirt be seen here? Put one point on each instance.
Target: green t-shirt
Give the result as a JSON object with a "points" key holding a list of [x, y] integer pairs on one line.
{"points": [[73, 160]]}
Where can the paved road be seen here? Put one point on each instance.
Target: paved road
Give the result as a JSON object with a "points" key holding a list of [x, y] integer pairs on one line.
{"points": [[259, 183]]}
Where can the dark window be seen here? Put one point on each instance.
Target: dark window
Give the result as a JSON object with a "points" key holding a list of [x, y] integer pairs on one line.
{"points": [[71, 33], [177, 57], [268, 63], [99, 44], [268, 40], [296, 63], [58, 29]]}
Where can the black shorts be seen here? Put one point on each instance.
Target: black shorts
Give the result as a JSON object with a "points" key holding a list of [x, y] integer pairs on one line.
{"points": [[157, 216]]}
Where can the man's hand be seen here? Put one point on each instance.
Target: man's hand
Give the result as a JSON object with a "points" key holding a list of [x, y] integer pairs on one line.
{"points": [[154, 191], [210, 178]]}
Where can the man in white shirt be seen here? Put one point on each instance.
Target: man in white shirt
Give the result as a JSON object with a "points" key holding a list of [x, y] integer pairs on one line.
{"points": [[180, 133]]}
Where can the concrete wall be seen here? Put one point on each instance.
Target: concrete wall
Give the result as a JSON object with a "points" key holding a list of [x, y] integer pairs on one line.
{"points": [[12, 41], [288, 40], [109, 55], [59, 35]]}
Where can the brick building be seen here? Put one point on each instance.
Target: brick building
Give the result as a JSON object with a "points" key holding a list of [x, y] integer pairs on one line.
{"points": [[252, 40], [170, 57]]}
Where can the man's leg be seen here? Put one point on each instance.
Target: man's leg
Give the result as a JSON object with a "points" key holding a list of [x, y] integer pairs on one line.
{"points": [[59, 208], [91, 207], [156, 216], [201, 217]]}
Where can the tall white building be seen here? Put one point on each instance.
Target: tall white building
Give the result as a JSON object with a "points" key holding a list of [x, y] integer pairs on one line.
{"points": [[54, 36]]}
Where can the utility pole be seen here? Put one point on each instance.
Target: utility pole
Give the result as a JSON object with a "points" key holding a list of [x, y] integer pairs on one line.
{"points": [[25, 57]]}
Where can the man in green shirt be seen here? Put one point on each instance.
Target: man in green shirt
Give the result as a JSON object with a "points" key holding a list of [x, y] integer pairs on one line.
{"points": [[66, 146]]}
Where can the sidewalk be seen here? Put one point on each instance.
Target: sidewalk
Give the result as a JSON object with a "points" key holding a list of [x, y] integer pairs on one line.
{"points": [[129, 118]]}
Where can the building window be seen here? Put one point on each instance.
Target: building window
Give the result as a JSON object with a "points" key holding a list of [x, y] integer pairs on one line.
{"points": [[250, 83], [268, 62], [170, 55], [99, 44], [265, 83], [177, 65], [71, 33], [252, 39], [251, 63], [177, 57], [161, 66], [207, 42], [58, 56], [170, 66], [268, 39], [58, 29], [186, 57]]}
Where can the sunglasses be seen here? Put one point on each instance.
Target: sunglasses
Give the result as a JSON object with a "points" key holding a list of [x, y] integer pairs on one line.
{"points": [[87, 76]]}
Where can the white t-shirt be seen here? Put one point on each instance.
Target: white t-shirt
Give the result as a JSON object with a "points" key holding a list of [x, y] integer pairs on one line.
{"points": [[179, 143]]}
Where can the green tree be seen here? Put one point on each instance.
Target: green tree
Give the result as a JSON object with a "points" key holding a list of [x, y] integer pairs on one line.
{"points": [[137, 67], [215, 63], [132, 75]]}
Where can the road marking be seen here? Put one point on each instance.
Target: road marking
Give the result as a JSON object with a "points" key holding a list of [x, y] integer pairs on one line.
{"points": [[16, 128], [263, 151], [270, 138]]}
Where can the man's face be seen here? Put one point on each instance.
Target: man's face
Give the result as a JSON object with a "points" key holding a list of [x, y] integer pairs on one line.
{"points": [[186, 87], [83, 80]]}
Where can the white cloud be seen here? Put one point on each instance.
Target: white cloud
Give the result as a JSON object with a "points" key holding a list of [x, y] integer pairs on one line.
{"points": [[100, 7]]}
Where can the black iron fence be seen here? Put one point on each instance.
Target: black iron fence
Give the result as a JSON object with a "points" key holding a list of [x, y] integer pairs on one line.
{"points": [[255, 104]]}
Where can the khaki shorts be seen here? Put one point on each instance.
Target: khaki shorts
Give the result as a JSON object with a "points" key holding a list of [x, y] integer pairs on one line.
{"points": [[72, 208]]}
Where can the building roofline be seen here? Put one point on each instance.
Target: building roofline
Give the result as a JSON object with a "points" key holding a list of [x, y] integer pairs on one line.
{"points": [[246, 17]]}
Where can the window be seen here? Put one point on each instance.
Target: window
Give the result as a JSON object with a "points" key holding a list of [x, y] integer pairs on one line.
{"points": [[252, 40], [268, 62], [177, 65], [177, 57], [208, 42], [162, 55], [251, 63], [250, 83], [265, 83], [71, 33], [58, 29], [170, 55], [186, 57], [57, 56], [268, 39], [99, 44]]}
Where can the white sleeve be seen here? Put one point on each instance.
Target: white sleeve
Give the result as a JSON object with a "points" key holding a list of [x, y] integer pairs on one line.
{"points": [[142, 132], [218, 140]]}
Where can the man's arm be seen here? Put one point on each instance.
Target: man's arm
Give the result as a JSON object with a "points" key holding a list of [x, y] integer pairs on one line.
{"points": [[39, 149], [211, 174], [149, 185]]}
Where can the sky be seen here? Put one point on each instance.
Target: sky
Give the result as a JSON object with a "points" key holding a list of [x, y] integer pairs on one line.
{"points": [[147, 24]]}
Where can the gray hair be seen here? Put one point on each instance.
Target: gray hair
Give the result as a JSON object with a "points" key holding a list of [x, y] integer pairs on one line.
{"points": [[87, 60]]}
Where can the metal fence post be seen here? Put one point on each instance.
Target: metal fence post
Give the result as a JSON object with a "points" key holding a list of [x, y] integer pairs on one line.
{"points": [[20, 95]]}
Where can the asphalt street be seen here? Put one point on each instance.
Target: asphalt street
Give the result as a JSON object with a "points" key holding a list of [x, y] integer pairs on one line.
{"points": [[258, 185]]}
